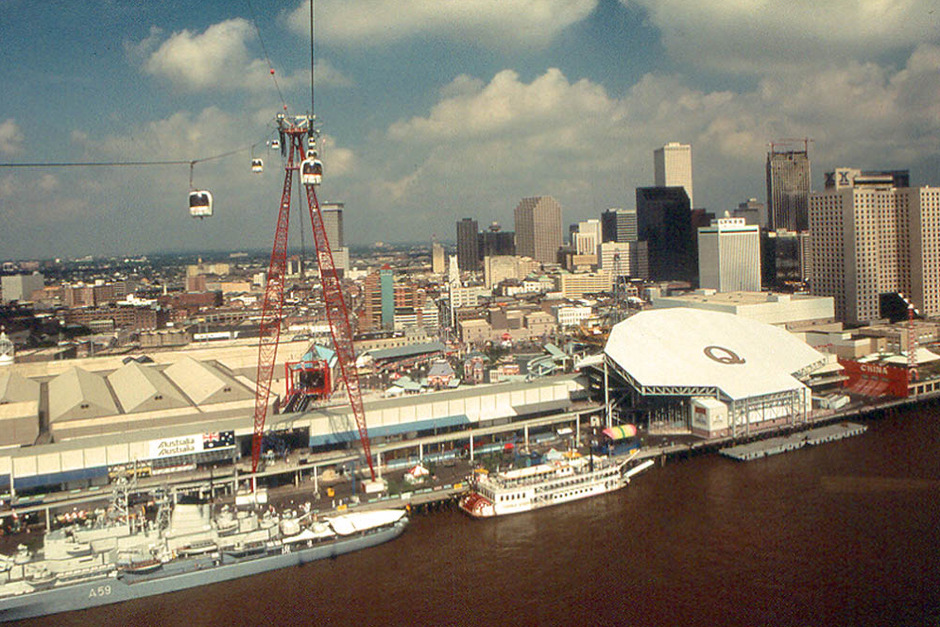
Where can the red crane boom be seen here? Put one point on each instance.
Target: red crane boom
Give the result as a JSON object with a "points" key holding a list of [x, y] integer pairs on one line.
{"points": [[272, 311]]}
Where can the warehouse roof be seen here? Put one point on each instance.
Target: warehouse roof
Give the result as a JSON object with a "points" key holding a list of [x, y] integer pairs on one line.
{"points": [[144, 388], [78, 393], [16, 388], [204, 383], [681, 348]]}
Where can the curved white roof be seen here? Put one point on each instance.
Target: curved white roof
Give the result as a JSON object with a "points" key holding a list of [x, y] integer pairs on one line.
{"points": [[688, 347]]}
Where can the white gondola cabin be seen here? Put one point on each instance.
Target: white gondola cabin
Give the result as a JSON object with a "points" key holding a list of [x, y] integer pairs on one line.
{"points": [[311, 143], [200, 204], [257, 166], [275, 144], [311, 172]]}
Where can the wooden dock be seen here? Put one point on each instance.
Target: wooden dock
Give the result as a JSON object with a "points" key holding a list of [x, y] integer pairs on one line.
{"points": [[794, 441]]}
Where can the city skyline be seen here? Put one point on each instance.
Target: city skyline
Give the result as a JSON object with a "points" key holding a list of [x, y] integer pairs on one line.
{"points": [[432, 115]]}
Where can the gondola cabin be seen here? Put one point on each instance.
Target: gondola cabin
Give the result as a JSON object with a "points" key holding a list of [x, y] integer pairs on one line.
{"points": [[311, 143], [257, 166], [311, 154], [311, 172], [200, 204], [275, 144]]}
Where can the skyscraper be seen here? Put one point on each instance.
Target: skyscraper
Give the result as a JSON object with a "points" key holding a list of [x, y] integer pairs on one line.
{"points": [[437, 258], [788, 186], [619, 225], [332, 213], [587, 237], [729, 256], [752, 211], [494, 242], [672, 167], [468, 245], [333, 223], [665, 222], [539, 232], [871, 238], [786, 261], [627, 259]]}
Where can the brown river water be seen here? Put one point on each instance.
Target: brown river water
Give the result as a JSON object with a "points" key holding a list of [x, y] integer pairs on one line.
{"points": [[847, 533]]}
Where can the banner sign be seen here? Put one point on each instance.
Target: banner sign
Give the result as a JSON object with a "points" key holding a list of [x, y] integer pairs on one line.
{"points": [[191, 444]]}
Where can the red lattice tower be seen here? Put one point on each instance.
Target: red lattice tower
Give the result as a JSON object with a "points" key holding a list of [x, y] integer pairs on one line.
{"points": [[295, 130]]}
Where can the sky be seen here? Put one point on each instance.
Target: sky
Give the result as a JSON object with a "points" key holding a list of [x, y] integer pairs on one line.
{"points": [[434, 110]]}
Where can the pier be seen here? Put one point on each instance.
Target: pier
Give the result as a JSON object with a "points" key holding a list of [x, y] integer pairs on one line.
{"points": [[793, 441]]}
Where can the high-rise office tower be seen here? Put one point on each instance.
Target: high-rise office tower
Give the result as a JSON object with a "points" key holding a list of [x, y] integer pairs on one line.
{"points": [[672, 167], [871, 238], [786, 261], [468, 245], [729, 256], [752, 211], [332, 213], [665, 223], [619, 225], [587, 237], [788, 186], [539, 233], [438, 265], [495, 242], [628, 259], [333, 223]]}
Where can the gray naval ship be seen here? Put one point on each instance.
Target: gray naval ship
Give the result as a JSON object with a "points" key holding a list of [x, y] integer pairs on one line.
{"points": [[124, 557]]}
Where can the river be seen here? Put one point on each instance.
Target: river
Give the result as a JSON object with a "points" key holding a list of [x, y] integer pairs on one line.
{"points": [[846, 533]]}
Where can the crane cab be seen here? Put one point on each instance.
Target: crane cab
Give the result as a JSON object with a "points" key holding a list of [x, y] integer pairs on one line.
{"points": [[257, 166], [200, 204], [311, 172]]}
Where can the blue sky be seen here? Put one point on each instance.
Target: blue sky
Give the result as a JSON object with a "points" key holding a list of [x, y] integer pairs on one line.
{"points": [[434, 110]]}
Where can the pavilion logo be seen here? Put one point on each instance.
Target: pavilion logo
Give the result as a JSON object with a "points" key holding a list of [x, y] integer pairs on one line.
{"points": [[723, 355]]}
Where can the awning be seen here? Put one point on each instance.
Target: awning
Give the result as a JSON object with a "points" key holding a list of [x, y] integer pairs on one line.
{"points": [[387, 430], [620, 432]]}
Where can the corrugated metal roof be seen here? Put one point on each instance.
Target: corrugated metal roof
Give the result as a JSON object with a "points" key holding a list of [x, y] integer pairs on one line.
{"points": [[144, 388], [78, 393], [205, 384], [408, 351], [15, 388]]}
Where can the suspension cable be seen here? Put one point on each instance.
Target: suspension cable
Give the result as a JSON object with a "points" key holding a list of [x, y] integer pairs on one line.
{"points": [[267, 58]]}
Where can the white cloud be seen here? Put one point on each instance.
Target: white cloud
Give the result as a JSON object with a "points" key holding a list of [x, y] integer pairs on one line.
{"points": [[337, 160], [484, 145], [145, 208], [11, 138], [757, 36], [498, 23], [220, 58], [470, 109]]}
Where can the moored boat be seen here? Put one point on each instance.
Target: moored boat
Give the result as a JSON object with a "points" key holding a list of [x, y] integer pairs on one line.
{"points": [[188, 550], [550, 483]]}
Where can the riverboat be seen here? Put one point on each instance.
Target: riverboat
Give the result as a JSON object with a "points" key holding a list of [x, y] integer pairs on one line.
{"points": [[551, 483]]}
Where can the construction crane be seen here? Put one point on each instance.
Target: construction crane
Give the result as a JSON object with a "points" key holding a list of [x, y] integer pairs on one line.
{"points": [[299, 134]]}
